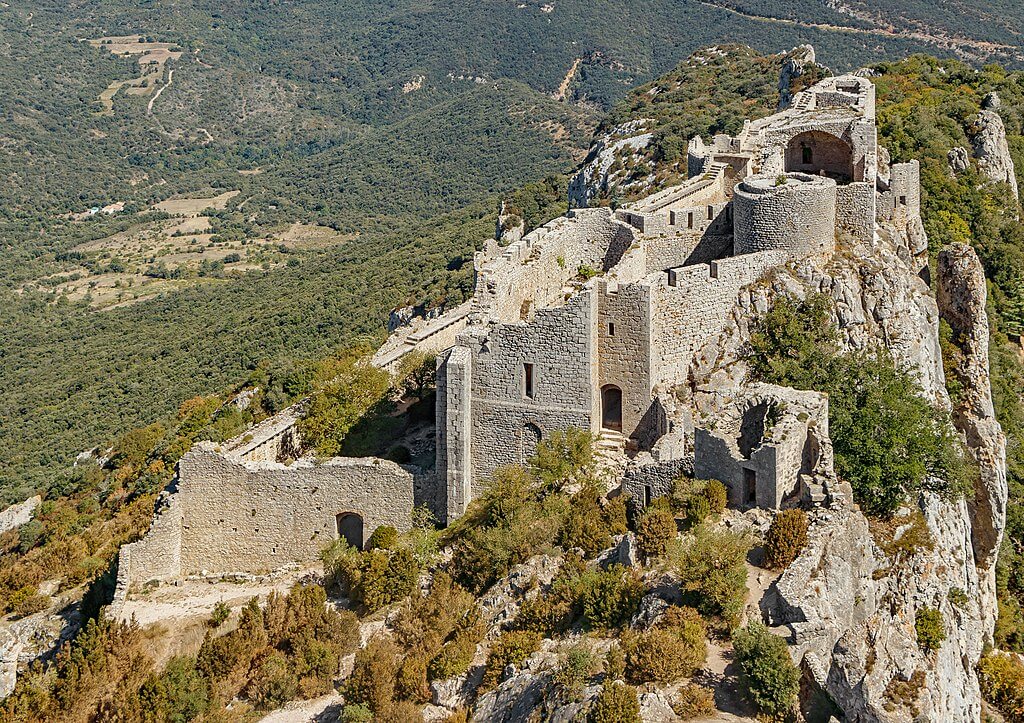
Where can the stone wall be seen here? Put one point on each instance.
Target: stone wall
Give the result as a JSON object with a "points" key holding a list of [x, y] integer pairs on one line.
{"points": [[793, 212], [454, 432], [560, 345], [647, 481], [691, 304], [157, 556], [252, 517], [228, 515], [533, 272], [624, 336], [855, 210]]}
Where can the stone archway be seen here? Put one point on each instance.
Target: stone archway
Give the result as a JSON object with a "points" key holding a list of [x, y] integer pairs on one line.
{"points": [[611, 407], [817, 153], [350, 528]]}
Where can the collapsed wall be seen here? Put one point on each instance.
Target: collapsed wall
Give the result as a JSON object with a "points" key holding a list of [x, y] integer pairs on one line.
{"points": [[231, 515]]}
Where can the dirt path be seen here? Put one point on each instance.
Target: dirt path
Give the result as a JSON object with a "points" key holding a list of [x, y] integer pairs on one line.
{"points": [[161, 89], [968, 47], [563, 89]]}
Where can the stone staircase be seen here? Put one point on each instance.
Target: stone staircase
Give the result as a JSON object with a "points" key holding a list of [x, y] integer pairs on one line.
{"points": [[610, 454]]}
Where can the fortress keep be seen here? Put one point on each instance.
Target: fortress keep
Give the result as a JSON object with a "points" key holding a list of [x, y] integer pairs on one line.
{"points": [[596, 321]]}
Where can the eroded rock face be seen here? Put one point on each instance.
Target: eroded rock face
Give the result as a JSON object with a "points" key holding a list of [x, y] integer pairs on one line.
{"points": [[961, 296], [17, 515], [796, 63], [990, 146], [959, 160], [849, 601], [596, 175]]}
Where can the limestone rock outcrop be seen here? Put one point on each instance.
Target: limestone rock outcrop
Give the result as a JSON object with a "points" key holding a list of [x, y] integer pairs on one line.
{"points": [[17, 515], [796, 63], [597, 175], [990, 145]]}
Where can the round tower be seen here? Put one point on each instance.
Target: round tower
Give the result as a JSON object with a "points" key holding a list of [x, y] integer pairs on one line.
{"points": [[792, 212]]}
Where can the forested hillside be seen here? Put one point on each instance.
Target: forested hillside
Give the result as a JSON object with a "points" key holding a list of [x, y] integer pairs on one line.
{"points": [[359, 121]]}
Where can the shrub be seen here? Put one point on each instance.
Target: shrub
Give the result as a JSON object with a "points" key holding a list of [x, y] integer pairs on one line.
{"points": [[378, 577], [512, 648], [660, 655], [356, 713], [576, 668], [930, 629], [717, 495], [616, 703], [177, 694], [221, 612], [615, 663], [274, 683], [889, 441], [785, 539], [26, 600], [453, 659], [771, 677], [713, 573], [609, 598], [698, 509], [615, 515], [585, 525], [564, 458], [374, 676], [411, 680], [654, 530], [1002, 684], [694, 701], [385, 537]]}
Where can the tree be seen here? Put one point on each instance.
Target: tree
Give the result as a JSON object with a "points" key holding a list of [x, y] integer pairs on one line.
{"points": [[768, 670], [346, 388]]}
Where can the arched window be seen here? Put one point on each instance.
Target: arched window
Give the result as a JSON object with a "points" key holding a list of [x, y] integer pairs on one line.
{"points": [[531, 435]]}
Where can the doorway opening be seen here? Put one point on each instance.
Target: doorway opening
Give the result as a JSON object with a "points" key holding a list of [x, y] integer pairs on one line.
{"points": [[611, 407], [350, 528]]}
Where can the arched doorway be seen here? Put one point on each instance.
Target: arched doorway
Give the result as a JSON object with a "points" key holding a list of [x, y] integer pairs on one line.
{"points": [[817, 152], [530, 438], [350, 528], [611, 407]]}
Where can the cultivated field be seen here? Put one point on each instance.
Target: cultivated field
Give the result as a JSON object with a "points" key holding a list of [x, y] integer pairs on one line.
{"points": [[151, 57]]}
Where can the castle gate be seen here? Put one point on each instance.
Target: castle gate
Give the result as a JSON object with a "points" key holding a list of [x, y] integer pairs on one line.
{"points": [[350, 528]]}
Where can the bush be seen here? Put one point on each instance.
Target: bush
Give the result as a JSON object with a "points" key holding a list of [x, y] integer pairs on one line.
{"points": [[698, 509], [512, 648], [713, 573], [585, 526], [177, 694], [374, 676], [274, 683], [615, 663], [889, 441], [654, 530], [26, 601], [717, 495], [221, 612], [770, 675], [356, 713], [785, 539], [930, 629], [610, 598], [1002, 684], [565, 458], [616, 703], [661, 655], [694, 701], [385, 537], [615, 515], [576, 668], [372, 579]]}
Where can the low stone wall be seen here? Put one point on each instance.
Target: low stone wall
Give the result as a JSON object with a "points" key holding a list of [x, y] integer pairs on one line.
{"points": [[645, 482]]}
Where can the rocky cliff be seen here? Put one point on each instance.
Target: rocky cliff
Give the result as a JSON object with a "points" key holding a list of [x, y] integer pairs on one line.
{"points": [[849, 602]]}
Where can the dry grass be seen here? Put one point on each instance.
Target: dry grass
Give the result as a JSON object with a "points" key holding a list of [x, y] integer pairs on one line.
{"points": [[195, 206]]}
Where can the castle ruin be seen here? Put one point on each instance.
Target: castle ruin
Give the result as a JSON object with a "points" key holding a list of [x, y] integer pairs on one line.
{"points": [[594, 321]]}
